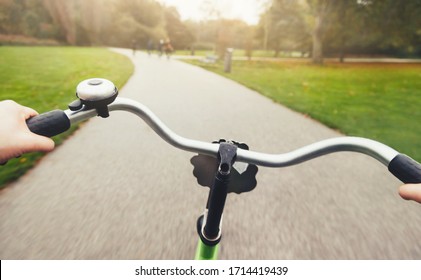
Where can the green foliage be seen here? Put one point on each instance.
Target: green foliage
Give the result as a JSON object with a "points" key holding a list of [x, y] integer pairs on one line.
{"points": [[374, 27], [378, 101], [177, 31], [94, 22], [45, 78], [136, 20], [283, 27], [396, 25], [329, 27], [23, 17]]}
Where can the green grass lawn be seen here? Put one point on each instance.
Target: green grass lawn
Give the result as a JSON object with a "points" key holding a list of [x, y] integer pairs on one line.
{"points": [[45, 78], [377, 101]]}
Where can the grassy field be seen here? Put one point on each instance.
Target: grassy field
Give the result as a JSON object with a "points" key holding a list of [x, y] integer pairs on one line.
{"points": [[45, 78], [378, 101]]}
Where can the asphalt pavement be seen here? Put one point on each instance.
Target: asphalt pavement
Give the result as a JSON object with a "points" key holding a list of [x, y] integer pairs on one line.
{"points": [[115, 190]]}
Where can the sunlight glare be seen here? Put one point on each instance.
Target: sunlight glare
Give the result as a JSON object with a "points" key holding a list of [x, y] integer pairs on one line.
{"points": [[246, 10]]}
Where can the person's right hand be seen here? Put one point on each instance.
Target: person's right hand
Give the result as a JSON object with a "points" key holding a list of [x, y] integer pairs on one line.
{"points": [[411, 192]]}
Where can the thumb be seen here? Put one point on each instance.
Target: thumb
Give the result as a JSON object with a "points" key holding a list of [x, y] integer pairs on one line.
{"points": [[37, 143], [411, 192]]}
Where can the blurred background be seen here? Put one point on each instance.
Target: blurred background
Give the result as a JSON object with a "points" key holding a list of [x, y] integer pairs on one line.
{"points": [[313, 28]]}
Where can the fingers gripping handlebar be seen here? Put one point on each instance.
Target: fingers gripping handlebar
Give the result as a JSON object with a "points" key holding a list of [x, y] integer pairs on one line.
{"points": [[92, 104]]}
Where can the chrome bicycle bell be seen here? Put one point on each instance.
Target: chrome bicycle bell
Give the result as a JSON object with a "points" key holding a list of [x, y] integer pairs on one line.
{"points": [[95, 93]]}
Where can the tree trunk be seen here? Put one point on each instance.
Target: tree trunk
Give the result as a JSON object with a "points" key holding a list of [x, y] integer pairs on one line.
{"points": [[317, 41], [342, 49], [343, 28], [342, 56]]}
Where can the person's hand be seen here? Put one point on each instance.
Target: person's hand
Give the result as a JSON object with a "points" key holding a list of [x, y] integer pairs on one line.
{"points": [[15, 136], [411, 192]]}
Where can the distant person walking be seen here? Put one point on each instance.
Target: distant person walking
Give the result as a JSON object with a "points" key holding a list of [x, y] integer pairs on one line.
{"points": [[134, 46], [150, 46], [161, 47], [168, 49], [165, 47]]}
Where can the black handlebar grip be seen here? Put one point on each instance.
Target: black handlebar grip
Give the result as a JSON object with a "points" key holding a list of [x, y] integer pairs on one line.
{"points": [[405, 169], [49, 124]]}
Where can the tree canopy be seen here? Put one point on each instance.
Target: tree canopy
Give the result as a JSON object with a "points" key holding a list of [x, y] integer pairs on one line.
{"points": [[329, 27], [94, 22]]}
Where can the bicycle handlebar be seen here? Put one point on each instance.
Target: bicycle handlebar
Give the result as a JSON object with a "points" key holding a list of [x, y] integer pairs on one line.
{"points": [[49, 124], [402, 166]]}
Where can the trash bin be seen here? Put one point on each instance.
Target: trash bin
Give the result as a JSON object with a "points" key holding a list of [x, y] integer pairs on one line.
{"points": [[227, 60]]}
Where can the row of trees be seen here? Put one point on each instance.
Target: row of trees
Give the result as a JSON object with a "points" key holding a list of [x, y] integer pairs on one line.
{"points": [[94, 22], [319, 27], [343, 27]]}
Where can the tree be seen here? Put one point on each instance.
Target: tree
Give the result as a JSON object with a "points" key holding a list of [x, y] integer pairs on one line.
{"points": [[179, 34], [282, 26], [112, 22], [138, 20], [11, 14], [395, 25], [346, 20], [62, 14], [318, 11], [374, 27]]}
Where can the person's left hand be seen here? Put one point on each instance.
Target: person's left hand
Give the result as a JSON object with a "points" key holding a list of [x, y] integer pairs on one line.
{"points": [[15, 136]]}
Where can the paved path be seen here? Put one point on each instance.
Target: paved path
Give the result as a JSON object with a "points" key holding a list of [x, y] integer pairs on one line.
{"points": [[115, 190]]}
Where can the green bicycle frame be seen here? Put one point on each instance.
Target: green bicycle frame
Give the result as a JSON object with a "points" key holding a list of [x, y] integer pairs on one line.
{"points": [[206, 252]]}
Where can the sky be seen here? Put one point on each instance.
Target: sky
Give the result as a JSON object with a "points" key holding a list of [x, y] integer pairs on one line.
{"points": [[247, 10]]}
